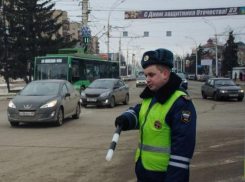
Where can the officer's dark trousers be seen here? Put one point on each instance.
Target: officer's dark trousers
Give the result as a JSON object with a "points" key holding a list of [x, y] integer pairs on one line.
{"points": [[144, 175]]}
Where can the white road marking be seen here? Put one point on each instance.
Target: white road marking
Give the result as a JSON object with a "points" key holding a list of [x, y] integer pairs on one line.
{"points": [[219, 162]]}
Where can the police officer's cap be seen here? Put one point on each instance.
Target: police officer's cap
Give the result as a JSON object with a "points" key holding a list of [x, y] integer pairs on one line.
{"points": [[159, 56]]}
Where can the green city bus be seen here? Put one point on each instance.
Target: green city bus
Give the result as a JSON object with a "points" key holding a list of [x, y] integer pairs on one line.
{"points": [[74, 65]]}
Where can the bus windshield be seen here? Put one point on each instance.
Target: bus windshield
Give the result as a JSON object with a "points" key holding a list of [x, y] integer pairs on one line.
{"points": [[51, 71]]}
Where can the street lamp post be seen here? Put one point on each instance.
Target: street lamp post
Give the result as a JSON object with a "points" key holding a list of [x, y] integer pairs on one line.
{"points": [[127, 55], [216, 45], [196, 50], [108, 25], [119, 52], [182, 65]]}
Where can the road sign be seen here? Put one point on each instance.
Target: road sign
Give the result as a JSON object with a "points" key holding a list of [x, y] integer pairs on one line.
{"points": [[85, 32]]}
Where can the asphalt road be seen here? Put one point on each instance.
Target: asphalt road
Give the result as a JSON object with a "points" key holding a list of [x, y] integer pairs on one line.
{"points": [[76, 151]]}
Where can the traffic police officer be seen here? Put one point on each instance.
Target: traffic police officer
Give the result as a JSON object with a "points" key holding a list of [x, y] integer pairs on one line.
{"points": [[166, 119]]}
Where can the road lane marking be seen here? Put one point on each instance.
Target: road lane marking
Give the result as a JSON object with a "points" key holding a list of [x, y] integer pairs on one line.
{"points": [[218, 162]]}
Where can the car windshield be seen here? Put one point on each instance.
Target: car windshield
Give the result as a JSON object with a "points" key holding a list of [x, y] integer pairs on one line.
{"points": [[40, 89], [141, 78], [181, 75], [224, 83], [104, 84]]}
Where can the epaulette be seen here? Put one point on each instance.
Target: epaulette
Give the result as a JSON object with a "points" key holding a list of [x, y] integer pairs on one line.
{"points": [[186, 97]]}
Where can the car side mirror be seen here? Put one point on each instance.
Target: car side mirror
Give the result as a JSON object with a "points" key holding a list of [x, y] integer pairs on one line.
{"points": [[238, 84], [67, 94], [115, 87]]}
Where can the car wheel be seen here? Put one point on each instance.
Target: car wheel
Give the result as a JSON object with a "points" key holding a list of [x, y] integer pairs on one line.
{"points": [[216, 97], [14, 123], [78, 111], [126, 100], [204, 96], [60, 118], [240, 98], [112, 102]]}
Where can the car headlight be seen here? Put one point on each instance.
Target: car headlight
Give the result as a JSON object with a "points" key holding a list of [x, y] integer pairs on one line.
{"points": [[223, 91], [83, 94], [50, 104], [104, 94], [242, 91], [185, 81], [11, 104], [137, 81]]}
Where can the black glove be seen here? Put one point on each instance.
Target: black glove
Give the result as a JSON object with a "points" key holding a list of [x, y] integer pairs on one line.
{"points": [[122, 121]]}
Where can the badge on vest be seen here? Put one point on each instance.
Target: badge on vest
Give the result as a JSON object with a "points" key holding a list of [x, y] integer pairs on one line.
{"points": [[186, 116], [158, 125]]}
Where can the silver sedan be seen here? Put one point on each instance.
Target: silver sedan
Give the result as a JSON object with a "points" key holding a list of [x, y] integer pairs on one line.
{"points": [[106, 92]]}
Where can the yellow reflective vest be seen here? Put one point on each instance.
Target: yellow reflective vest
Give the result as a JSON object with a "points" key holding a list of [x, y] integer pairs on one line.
{"points": [[154, 146]]}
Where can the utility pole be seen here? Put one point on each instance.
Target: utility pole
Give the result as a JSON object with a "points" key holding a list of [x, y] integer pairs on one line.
{"points": [[85, 13], [216, 54], [85, 31], [120, 56]]}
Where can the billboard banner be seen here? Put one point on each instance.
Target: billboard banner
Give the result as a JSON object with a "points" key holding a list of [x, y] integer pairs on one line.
{"points": [[184, 13], [206, 62]]}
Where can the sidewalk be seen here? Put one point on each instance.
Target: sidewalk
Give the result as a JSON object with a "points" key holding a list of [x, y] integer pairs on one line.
{"points": [[241, 83], [15, 87]]}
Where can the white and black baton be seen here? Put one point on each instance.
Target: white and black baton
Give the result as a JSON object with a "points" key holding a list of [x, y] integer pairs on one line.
{"points": [[113, 143]]}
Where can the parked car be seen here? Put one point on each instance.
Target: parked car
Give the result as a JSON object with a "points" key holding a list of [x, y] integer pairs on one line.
{"points": [[218, 88], [105, 92], [203, 77], [184, 82], [191, 77], [45, 101], [141, 81]]}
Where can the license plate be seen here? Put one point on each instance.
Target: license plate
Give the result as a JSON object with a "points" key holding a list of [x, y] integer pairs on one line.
{"points": [[26, 113], [91, 99], [233, 95]]}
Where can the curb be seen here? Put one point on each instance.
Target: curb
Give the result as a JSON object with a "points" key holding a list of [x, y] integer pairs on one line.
{"points": [[7, 96]]}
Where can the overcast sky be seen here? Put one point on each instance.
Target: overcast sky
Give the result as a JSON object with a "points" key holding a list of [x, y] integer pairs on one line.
{"points": [[180, 27]]}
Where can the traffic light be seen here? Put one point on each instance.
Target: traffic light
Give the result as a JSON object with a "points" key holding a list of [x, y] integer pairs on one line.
{"points": [[85, 39]]}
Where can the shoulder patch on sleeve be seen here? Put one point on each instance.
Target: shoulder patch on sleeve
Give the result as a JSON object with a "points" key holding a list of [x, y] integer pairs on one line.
{"points": [[186, 116], [186, 97]]}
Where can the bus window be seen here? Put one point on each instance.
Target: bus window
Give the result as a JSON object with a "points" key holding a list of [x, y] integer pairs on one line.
{"points": [[78, 70], [104, 70], [115, 70], [51, 71], [42, 72], [75, 73], [90, 71], [96, 71]]}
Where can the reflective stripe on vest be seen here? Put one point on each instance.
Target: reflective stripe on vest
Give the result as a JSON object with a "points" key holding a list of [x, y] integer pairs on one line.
{"points": [[154, 149], [155, 134]]}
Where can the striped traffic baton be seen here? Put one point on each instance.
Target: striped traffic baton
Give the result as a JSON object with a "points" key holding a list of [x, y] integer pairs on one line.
{"points": [[113, 143]]}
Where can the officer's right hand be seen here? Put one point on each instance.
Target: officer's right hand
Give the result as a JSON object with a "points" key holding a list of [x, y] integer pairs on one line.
{"points": [[122, 121]]}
